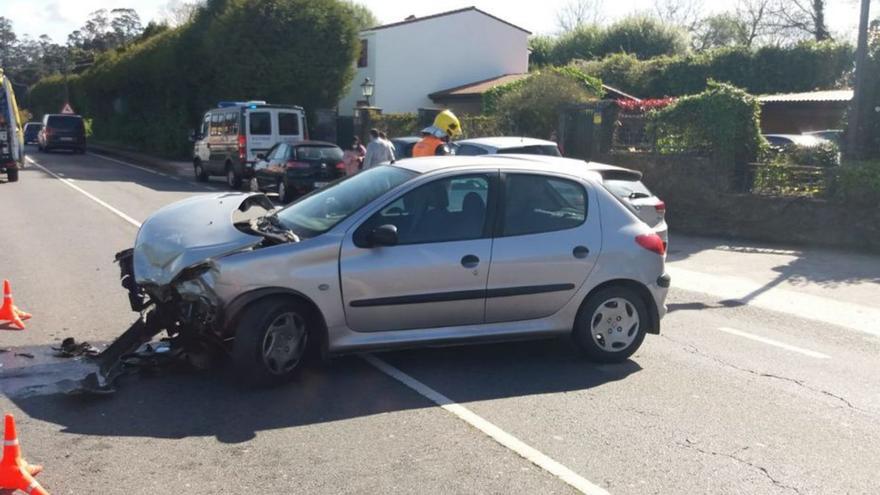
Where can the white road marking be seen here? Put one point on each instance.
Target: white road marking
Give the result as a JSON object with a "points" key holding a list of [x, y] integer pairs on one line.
{"points": [[853, 316], [69, 183], [506, 439], [114, 160], [775, 343]]}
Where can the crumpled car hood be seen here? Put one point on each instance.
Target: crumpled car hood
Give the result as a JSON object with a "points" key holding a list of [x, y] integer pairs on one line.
{"points": [[189, 232]]}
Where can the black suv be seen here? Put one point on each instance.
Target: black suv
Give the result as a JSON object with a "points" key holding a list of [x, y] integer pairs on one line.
{"points": [[62, 131]]}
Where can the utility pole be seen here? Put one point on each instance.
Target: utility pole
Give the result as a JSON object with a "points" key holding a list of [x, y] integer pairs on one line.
{"points": [[855, 126]]}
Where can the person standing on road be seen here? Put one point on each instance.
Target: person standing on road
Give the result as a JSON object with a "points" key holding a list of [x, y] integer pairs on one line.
{"points": [[435, 138], [388, 144], [377, 151]]}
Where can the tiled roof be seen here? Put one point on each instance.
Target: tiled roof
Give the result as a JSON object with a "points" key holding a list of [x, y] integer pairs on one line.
{"points": [[480, 87], [841, 95]]}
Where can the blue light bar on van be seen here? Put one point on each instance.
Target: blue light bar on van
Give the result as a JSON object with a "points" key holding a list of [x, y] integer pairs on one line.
{"points": [[249, 104]]}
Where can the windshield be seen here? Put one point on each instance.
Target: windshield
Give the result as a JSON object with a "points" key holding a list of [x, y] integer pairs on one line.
{"points": [[322, 210], [65, 123], [316, 153], [538, 149], [628, 189]]}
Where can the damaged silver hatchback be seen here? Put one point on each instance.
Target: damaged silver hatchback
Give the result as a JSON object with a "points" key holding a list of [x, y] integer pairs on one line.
{"points": [[431, 251]]}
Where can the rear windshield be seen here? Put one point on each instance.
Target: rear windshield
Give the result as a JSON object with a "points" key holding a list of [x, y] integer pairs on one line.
{"points": [[65, 123], [539, 149], [322, 153], [627, 189], [288, 124]]}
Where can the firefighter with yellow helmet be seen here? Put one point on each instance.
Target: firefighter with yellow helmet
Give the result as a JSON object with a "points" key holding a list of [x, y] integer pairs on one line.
{"points": [[435, 138]]}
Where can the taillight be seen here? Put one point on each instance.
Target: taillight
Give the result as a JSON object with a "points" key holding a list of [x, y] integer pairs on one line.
{"points": [[48, 132], [298, 165], [651, 242], [660, 207], [242, 147]]}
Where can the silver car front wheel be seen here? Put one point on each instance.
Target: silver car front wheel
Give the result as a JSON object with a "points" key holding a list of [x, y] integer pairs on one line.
{"points": [[284, 343]]}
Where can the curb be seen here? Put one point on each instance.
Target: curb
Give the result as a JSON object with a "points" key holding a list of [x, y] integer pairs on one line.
{"points": [[137, 158]]}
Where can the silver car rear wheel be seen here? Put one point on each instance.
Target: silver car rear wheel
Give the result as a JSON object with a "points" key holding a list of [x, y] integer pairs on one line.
{"points": [[611, 324]]}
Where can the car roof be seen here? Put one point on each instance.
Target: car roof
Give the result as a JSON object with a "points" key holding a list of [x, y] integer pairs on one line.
{"points": [[801, 139], [564, 162], [63, 115], [500, 142], [566, 166], [309, 142]]}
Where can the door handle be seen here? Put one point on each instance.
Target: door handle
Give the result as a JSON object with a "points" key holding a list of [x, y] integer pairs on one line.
{"points": [[580, 252], [470, 261]]}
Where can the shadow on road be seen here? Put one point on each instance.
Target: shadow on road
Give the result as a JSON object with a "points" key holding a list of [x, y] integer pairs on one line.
{"points": [[209, 404]]}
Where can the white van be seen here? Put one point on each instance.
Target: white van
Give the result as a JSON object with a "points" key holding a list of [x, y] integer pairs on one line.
{"points": [[11, 143], [233, 134]]}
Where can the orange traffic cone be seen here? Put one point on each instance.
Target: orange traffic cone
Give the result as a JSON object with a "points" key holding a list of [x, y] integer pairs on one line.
{"points": [[15, 473], [8, 312]]}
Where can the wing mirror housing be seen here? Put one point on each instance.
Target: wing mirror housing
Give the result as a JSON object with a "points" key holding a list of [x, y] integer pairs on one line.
{"points": [[383, 235], [261, 156]]}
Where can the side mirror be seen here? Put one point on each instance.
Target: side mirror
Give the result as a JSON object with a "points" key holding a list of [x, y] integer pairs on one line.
{"points": [[384, 235], [261, 156]]}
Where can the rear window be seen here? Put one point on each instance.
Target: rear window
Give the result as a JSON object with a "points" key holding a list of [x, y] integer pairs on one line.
{"points": [[288, 124], [322, 153], [260, 124], [539, 149], [65, 123], [627, 189]]}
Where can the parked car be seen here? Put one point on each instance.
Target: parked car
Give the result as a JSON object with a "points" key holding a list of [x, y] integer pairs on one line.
{"points": [[292, 170], [32, 132], [403, 146], [11, 142], [508, 145], [234, 133], [428, 251], [625, 184], [833, 135], [62, 131], [783, 140]]}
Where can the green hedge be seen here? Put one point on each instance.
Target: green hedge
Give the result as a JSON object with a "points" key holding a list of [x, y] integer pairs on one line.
{"points": [[591, 84], [407, 124], [722, 122], [803, 67], [150, 94]]}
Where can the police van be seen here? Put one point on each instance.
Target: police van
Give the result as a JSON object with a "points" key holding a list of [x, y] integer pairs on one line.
{"points": [[11, 142], [233, 134]]}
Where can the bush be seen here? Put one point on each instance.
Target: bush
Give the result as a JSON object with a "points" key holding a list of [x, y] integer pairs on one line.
{"points": [[803, 67], [721, 122], [149, 95], [858, 183], [581, 42], [825, 154], [644, 37], [407, 124], [532, 107], [493, 95]]}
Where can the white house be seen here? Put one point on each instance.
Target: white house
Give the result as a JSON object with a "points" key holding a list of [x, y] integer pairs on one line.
{"points": [[409, 60]]}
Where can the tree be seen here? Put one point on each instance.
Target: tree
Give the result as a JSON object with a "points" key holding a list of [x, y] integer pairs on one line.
{"points": [[685, 14], [177, 12], [799, 18], [126, 26], [8, 41], [541, 50], [362, 15], [720, 30], [577, 13], [583, 42], [754, 14], [643, 36]]}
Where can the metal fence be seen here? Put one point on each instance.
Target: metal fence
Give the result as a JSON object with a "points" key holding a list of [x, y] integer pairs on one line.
{"points": [[630, 133]]}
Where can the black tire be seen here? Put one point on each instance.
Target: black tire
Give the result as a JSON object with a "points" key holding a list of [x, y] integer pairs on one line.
{"points": [[233, 179], [251, 365], [601, 349], [12, 174], [199, 171]]}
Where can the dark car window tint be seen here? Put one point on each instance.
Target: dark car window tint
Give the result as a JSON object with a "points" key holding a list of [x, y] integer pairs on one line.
{"points": [[260, 124], [629, 189], [470, 150], [280, 152], [231, 124], [541, 149], [451, 209], [319, 153], [64, 123], [536, 203], [288, 124]]}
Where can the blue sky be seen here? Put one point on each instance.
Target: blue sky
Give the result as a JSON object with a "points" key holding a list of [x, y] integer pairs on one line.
{"points": [[57, 18]]}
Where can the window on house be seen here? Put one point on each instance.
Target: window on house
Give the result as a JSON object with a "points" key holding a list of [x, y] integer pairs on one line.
{"points": [[362, 60]]}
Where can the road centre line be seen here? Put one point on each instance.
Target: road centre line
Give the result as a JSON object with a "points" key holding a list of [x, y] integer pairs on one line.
{"points": [[69, 183], [775, 343], [800, 304], [502, 437], [495, 433]]}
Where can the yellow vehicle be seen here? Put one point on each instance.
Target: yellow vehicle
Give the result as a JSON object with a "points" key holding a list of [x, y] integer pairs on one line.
{"points": [[11, 136]]}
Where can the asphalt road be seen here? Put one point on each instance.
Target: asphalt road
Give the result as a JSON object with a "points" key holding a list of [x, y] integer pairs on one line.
{"points": [[766, 379]]}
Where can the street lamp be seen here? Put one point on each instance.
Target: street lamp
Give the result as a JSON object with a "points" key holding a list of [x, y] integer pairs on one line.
{"points": [[367, 89]]}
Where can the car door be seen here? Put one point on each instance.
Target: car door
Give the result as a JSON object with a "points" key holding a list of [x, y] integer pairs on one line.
{"points": [[201, 150], [216, 145], [547, 240], [289, 130], [261, 168], [436, 275], [259, 132]]}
